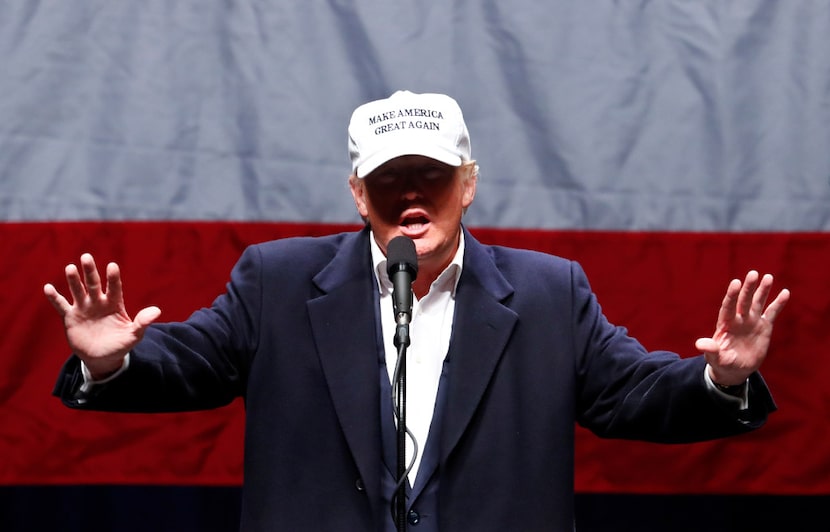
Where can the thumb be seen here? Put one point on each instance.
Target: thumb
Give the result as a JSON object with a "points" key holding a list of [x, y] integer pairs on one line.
{"points": [[146, 316], [707, 345]]}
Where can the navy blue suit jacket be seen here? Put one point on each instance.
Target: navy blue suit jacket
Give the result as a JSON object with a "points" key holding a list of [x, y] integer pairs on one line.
{"points": [[297, 334]]}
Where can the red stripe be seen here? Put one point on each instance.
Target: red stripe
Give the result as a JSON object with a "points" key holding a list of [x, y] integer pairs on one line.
{"points": [[665, 287]]}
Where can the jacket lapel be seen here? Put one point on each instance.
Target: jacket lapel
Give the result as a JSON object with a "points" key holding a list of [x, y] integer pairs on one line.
{"points": [[481, 330], [345, 327], [343, 321]]}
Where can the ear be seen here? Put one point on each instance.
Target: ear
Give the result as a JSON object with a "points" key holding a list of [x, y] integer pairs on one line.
{"points": [[356, 185], [469, 190]]}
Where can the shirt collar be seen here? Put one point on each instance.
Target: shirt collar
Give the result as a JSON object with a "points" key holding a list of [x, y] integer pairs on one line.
{"points": [[448, 278]]}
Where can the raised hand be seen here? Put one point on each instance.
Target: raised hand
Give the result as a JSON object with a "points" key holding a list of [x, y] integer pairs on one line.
{"points": [[743, 330], [98, 328]]}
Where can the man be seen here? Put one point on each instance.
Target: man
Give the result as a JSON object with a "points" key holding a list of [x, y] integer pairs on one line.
{"points": [[509, 348]]}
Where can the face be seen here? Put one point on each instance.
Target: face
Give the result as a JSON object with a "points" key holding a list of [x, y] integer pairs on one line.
{"points": [[420, 198]]}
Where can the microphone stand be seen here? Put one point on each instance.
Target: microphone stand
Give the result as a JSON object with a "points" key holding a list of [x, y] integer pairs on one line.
{"points": [[402, 268], [401, 342]]}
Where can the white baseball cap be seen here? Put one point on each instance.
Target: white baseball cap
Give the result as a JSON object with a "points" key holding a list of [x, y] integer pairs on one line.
{"points": [[407, 123]]}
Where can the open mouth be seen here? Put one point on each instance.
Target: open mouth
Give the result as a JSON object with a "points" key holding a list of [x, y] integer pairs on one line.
{"points": [[414, 223]]}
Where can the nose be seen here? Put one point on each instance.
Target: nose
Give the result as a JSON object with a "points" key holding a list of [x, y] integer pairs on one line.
{"points": [[410, 186]]}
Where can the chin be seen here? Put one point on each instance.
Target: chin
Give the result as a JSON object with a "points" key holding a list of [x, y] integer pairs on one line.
{"points": [[422, 247]]}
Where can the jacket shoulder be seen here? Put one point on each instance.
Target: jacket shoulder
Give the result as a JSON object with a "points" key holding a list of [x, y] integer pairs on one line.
{"points": [[525, 264], [326, 245]]}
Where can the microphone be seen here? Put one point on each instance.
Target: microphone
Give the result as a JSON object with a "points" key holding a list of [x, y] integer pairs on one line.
{"points": [[402, 268]]}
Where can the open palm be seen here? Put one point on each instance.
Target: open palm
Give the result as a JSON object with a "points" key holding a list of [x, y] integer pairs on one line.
{"points": [[743, 330], [98, 328]]}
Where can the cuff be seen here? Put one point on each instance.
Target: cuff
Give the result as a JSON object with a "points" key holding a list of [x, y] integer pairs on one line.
{"points": [[89, 382], [740, 395]]}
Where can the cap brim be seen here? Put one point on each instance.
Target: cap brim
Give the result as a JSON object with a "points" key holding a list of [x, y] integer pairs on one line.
{"points": [[432, 151]]}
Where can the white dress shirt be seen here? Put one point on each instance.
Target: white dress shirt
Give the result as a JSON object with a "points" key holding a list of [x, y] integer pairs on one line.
{"points": [[429, 331]]}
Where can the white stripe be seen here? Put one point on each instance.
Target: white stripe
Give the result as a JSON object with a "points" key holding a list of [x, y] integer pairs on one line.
{"points": [[611, 115]]}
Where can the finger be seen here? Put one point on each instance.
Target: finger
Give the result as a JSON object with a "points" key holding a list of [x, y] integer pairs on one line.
{"points": [[91, 277], [114, 290], [777, 305], [747, 292], [56, 299], [759, 299], [707, 345], [76, 287], [147, 316], [729, 304]]}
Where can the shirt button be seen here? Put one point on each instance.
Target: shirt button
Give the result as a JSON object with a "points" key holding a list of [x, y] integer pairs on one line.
{"points": [[414, 518], [358, 484]]}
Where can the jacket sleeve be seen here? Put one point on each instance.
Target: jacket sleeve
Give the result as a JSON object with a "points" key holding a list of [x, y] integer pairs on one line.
{"points": [[623, 391], [197, 364]]}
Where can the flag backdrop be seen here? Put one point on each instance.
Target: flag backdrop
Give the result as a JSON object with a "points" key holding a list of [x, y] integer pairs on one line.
{"points": [[668, 146]]}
